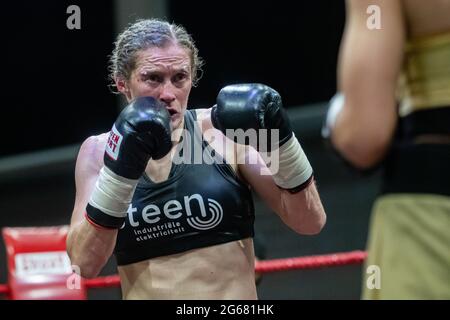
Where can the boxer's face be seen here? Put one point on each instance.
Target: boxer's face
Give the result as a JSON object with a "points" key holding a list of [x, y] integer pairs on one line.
{"points": [[165, 74]]}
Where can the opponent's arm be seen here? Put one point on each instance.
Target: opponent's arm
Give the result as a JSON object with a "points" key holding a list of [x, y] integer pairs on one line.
{"points": [[369, 64]]}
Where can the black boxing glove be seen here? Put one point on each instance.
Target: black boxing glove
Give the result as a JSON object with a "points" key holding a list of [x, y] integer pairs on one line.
{"points": [[257, 106], [142, 131], [252, 106]]}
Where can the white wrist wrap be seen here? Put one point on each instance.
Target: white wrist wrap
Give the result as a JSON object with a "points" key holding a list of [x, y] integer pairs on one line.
{"points": [[112, 193], [335, 107], [294, 168]]}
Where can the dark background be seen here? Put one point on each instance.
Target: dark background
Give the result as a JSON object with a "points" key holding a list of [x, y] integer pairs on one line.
{"points": [[289, 45], [56, 94], [57, 81]]}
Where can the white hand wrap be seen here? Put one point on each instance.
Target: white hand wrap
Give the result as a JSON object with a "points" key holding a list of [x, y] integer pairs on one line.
{"points": [[112, 193], [293, 167], [335, 107]]}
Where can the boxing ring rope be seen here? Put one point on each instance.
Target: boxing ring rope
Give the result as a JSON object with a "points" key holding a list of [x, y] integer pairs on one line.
{"points": [[262, 266], [4, 289], [311, 262]]}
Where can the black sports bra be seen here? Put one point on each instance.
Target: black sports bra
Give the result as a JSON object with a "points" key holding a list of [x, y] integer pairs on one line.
{"points": [[199, 205]]}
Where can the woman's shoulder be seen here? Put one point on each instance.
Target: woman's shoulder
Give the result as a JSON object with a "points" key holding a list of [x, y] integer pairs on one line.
{"points": [[94, 144], [92, 150], [203, 115], [203, 118]]}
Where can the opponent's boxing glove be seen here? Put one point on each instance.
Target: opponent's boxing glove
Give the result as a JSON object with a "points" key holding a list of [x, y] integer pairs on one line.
{"points": [[252, 106], [142, 131], [257, 106]]}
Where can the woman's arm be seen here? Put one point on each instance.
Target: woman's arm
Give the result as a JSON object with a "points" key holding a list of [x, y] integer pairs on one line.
{"points": [[301, 211], [88, 247]]}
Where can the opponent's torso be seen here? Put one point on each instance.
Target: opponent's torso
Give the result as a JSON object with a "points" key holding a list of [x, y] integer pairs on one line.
{"points": [[426, 74], [425, 80], [419, 155]]}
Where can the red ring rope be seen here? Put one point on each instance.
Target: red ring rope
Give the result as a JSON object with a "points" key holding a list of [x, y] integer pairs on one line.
{"points": [[263, 266], [311, 262], [4, 289]]}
